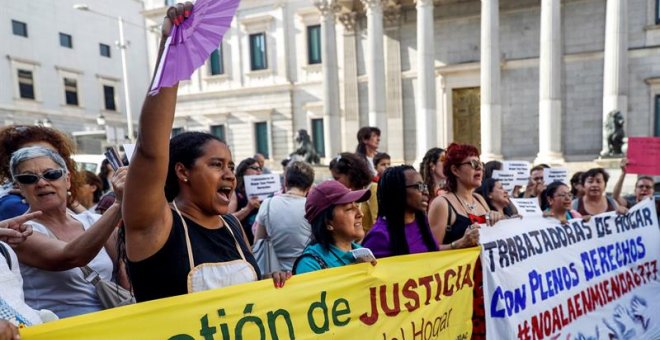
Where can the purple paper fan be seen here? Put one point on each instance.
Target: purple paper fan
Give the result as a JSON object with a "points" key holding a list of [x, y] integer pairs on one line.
{"points": [[192, 42]]}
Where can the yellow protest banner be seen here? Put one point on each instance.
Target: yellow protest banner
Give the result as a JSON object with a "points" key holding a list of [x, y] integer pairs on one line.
{"points": [[423, 296]]}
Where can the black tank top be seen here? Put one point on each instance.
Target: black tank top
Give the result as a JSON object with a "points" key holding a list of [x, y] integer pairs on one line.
{"points": [[165, 273], [455, 231]]}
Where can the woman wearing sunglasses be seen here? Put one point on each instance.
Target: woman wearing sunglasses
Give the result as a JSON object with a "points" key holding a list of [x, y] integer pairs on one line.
{"points": [[402, 226], [246, 208], [62, 241], [456, 217], [16, 137]]}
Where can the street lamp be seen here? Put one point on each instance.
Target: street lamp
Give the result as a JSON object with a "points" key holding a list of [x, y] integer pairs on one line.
{"points": [[121, 44]]}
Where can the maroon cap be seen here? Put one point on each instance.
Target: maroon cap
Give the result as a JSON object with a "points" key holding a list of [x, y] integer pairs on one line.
{"points": [[330, 193]]}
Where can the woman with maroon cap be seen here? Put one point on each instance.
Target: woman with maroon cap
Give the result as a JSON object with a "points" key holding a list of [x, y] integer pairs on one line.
{"points": [[336, 221]]}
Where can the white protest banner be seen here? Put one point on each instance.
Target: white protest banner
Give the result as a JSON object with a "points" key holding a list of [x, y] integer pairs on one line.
{"points": [[521, 168], [555, 174], [262, 185], [580, 280], [506, 178], [527, 206]]}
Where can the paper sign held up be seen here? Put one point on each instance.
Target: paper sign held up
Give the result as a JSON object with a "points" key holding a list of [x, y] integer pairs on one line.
{"points": [[527, 206], [555, 174], [262, 186], [643, 155], [507, 178], [521, 169]]}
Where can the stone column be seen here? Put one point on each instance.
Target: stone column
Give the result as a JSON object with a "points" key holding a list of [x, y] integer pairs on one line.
{"points": [[491, 108], [376, 68], [425, 118], [615, 74], [550, 84], [351, 98], [393, 88], [331, 110]]}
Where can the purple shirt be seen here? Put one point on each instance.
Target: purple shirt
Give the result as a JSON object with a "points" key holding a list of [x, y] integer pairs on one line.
{"points": [[378, 239]]}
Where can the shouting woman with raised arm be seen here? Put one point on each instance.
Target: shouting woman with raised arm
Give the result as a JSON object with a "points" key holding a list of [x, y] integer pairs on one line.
{"points": [[170, 234]]}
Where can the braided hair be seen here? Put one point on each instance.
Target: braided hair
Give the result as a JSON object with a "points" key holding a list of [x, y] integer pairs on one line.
{"points": [[392, 205], [430, 158]]}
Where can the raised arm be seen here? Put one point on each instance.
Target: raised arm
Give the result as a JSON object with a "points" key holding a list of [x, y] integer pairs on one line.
{"points": [[147, 217], [616, 192]]}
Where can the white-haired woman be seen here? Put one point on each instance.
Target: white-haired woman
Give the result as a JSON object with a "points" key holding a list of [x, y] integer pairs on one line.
{"points": [[62, 241]]}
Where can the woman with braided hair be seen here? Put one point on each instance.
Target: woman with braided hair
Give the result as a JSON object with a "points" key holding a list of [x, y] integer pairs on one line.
{"points": [[431, 170], [402, 226]]}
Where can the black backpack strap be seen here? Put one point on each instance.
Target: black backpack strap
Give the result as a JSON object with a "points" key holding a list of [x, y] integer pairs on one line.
{"points": [[312, 255], [5, 253]]}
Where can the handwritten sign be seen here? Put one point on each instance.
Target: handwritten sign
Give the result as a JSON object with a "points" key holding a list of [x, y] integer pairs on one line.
{"points": [[527, 206], [577, 280], [507, 179], [555, 174], [262, 186], [643, 155], [521, 168]]}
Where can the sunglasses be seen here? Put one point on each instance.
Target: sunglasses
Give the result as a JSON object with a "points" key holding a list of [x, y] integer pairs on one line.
{"points": [[473, 163], [49, 175], [422, 187]]}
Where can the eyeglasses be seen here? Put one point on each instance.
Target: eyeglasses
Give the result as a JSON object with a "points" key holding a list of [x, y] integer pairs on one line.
{"points": [[422, 187], [473, 163], [49, 175], [255, 168], [565, 196]]}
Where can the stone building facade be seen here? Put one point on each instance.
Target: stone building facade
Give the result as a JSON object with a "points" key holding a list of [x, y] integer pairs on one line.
{"points": [[523, 79], [60, 67]]}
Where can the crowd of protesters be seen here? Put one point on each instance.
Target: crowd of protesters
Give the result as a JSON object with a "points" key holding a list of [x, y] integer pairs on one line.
{"points": [[178, 220]]}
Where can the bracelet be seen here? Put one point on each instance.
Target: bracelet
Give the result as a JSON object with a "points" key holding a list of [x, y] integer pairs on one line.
{"points": [[452, 245]]}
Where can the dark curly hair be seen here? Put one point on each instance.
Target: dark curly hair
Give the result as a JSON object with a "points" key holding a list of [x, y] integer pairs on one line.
{"points": [[354, 167], [456, 153], [550, 192], [15, 137], [185, 148], [430, 158], [392, 207], [240, 173]]}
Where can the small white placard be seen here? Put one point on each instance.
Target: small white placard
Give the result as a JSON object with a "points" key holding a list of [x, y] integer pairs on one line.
{"points": [[129, 149], [507, 178], [555, 174], [262, 186], [521, 168], [527, 206]]}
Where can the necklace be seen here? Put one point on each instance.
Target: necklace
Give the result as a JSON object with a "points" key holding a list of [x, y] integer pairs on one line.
{"points": [[468, 207]]}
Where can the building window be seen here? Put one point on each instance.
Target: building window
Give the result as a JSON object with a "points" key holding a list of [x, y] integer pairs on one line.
{"points": [[25, 84], [177, 131], [216, 66], [258, 52], [657, 115], [71, 91], [657, 12], [19, 28], [109, 97], [317, 136], [170, 3], [314, 44], [218, 131], [104, 50], [66, 40], [261, 138]]}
